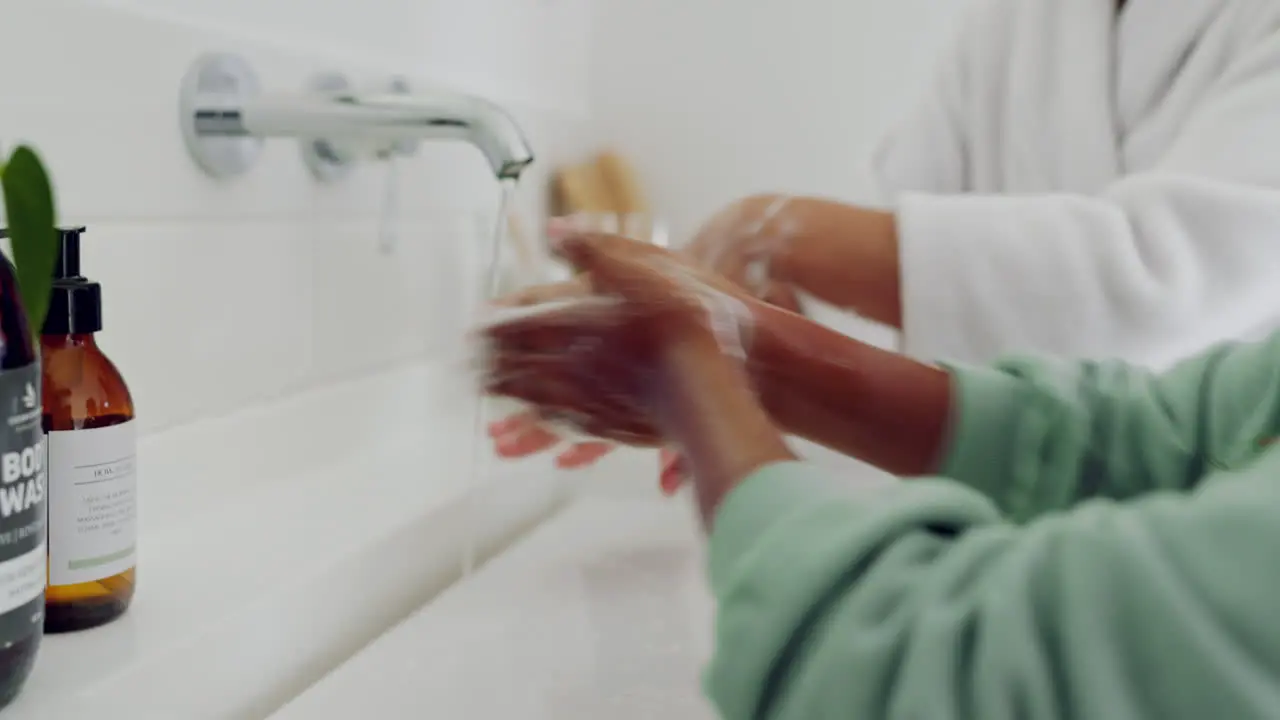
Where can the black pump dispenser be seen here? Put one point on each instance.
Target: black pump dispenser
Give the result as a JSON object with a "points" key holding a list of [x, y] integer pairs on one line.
{"points": [[75, 304]]}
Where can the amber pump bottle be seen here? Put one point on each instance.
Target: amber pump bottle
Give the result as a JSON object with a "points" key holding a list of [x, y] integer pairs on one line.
{"points": [[22, 492], [88, 421]]}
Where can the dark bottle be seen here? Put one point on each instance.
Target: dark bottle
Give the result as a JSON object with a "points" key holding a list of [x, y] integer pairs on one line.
{"points": [[88, 418], [22, 492]]}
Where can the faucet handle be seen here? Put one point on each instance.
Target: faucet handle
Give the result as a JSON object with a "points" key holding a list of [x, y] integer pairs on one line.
{"points": [[323, 158], [224, 118], [329, 160], [407, 147]]}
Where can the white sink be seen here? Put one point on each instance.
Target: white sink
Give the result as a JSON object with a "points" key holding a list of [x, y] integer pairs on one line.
{"points": [[601, 612]]}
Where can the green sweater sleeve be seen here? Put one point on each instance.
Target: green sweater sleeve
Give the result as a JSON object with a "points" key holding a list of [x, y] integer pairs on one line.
{"points": [[919, 601], [1037, 435]]}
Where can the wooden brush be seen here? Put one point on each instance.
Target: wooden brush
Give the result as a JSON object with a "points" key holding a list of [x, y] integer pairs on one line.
{"points": [[581, 189], [622, 183]]}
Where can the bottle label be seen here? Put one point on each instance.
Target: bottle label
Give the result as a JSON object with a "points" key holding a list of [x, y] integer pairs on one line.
{"points": [[22, 505], [92, 503]]}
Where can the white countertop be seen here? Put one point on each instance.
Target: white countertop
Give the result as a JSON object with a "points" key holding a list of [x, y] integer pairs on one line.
{"points": [[282, 549], [276, 543], [601, 612]]}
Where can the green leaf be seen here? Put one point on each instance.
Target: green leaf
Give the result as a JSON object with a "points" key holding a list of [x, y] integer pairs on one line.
{"points": [[28, 201]]}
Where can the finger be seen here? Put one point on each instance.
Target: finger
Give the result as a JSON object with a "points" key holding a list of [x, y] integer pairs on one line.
{"points": [[551, 327], [784, 296], [519, 427], [512, 424], [518, 362], [517, 352], [546, 391], [667, 456], [513, 341], [590, 252], [619, 427], [583, 454], [674, 471], [528, 442], [559, 388], [619, 266]]}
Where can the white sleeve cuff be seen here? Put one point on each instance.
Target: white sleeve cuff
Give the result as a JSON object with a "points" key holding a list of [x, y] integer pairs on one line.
{"points": [[984, 275]]}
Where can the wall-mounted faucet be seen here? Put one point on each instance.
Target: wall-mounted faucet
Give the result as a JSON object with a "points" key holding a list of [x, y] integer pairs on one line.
{"points": [[225, 117]]}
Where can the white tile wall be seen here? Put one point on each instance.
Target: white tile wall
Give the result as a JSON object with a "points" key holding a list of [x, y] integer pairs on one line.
{"points": [[222, 295], [532, 51], [788, 96]]}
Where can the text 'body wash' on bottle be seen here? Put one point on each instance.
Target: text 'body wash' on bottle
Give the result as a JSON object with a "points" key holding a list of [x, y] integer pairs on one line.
{"points": [[90, 437], [22, 492]]}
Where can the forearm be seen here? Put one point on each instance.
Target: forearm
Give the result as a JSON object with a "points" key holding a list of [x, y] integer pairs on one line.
{"points": [[720, 426], [844, 255], [1033, 435], [878, 406]]}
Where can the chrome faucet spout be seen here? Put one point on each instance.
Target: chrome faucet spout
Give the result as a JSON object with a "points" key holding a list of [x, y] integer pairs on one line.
{"points": [[223, 113], [377, 122]]}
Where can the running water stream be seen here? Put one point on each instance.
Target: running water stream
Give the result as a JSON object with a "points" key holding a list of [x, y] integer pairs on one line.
{"points": [[491, 285]]}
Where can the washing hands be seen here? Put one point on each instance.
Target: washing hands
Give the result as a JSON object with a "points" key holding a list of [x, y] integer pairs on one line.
{"points": [[761, 249], [595, 354], [738, 246]]}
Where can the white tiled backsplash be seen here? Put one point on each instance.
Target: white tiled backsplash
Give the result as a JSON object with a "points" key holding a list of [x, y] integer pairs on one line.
{"points": [[220, 295]]}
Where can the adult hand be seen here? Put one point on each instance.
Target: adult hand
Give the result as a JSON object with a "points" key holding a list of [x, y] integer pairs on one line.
{"points": [[741, 242], [775, 245], [738, 243], [529, 433], [526, 433], [600, 361], [654, 355]]}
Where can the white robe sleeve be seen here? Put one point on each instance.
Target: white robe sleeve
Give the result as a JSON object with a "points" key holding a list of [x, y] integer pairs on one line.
{"points": [[1157, 265]]}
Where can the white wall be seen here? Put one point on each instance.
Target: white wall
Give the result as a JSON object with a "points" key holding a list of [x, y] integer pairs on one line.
{"points": [[222, 295], [719, 98], [531, 53]]}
